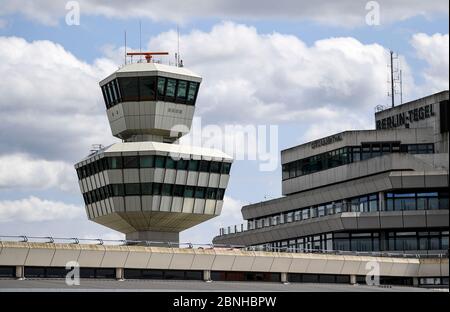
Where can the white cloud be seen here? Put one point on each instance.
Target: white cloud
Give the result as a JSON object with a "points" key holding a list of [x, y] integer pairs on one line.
{"points": [[253, 77], [51, 103], [434, 51], [345, 13], [33, 209], [22, 171]]}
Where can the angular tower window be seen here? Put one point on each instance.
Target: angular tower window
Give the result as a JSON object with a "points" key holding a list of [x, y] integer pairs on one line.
{"points": [[192, 91], [105, 97], [215, 167], [129, 88], [132, 189], [182, 164], [226, 168], [130, 162], [115, 162], [170, 163], [117, 189], [114, 92], [211, 193], [147, 88], [200, 192], [193, 165], [181, 91], [116, 87], [204, 166], [161, 87], [146, 188], [167, 189], [146, 161], [178, 190], [156, 188], [159, 161], [189, 191], [110, 95], [170, 89], [220, 194]]}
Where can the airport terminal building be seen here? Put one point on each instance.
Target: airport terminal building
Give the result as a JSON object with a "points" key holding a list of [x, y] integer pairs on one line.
{"points": [[366, 190]]}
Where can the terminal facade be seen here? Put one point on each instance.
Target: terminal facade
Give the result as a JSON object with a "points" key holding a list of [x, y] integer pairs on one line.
{"points": [[368, 190]]}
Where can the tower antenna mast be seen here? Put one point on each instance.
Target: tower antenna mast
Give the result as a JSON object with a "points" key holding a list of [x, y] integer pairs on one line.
{"points": [[392, 78], [140, 37], [125, 39], [178, 46]]}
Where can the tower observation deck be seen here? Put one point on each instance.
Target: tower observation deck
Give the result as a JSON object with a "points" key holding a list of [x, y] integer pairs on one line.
{"points": [[148, 186]]}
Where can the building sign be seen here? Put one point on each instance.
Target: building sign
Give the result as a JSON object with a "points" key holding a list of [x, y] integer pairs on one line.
{"points": [[175, 110], [325, 141], [405, 118]]}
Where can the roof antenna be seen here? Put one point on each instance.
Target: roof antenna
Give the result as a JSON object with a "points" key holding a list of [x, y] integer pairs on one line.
{"points": [[392, 78], [125, 56], [140, 39], [178, 47]]}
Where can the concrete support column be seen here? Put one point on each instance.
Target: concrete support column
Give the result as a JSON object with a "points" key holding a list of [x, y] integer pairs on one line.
{"points": [[352, 279], [119, 274], [415, 281], [284, 277], [207, 275], [20, 272], [162, 237]]}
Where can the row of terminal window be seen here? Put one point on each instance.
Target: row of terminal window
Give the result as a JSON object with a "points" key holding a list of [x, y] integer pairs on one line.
{"points": [[394, 201], [162, 189], [364, 241], [152, 161], [149, 88], [348, 155]]}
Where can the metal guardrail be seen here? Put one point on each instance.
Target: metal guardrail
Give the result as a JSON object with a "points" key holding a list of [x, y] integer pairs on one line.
{"points": [[350, 253], [111, 242], [124, 242]]}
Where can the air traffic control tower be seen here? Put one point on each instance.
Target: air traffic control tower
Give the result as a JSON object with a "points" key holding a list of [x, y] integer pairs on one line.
{"points": [[148, 186]]}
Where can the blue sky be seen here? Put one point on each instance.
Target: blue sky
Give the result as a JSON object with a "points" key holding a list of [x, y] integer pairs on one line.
{"points": [[285, 64]]}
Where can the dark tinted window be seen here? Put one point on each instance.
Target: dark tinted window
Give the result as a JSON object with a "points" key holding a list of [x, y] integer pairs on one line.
{"points": [[182, 164], [193, 165], [170, 89], [211, 193], [182, 89], [117, 189], [115, 162], [220, 194], [170, 163], [200, 192], [146, 188], [147, 87], [178, 190], [129, 89], [161, 87], [130, 162], [156, 188], [189, 191], [226, 168], [167, 189], [132, 189], [204, 166], [146, 161], [215, 167], [159, 161], [192, 92]]}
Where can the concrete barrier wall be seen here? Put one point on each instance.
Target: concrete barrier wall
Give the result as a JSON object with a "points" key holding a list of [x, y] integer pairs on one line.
{"points": [[217, 259]]}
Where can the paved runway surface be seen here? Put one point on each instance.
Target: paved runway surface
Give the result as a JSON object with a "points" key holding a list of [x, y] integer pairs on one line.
{"points": [[187, 286]]}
